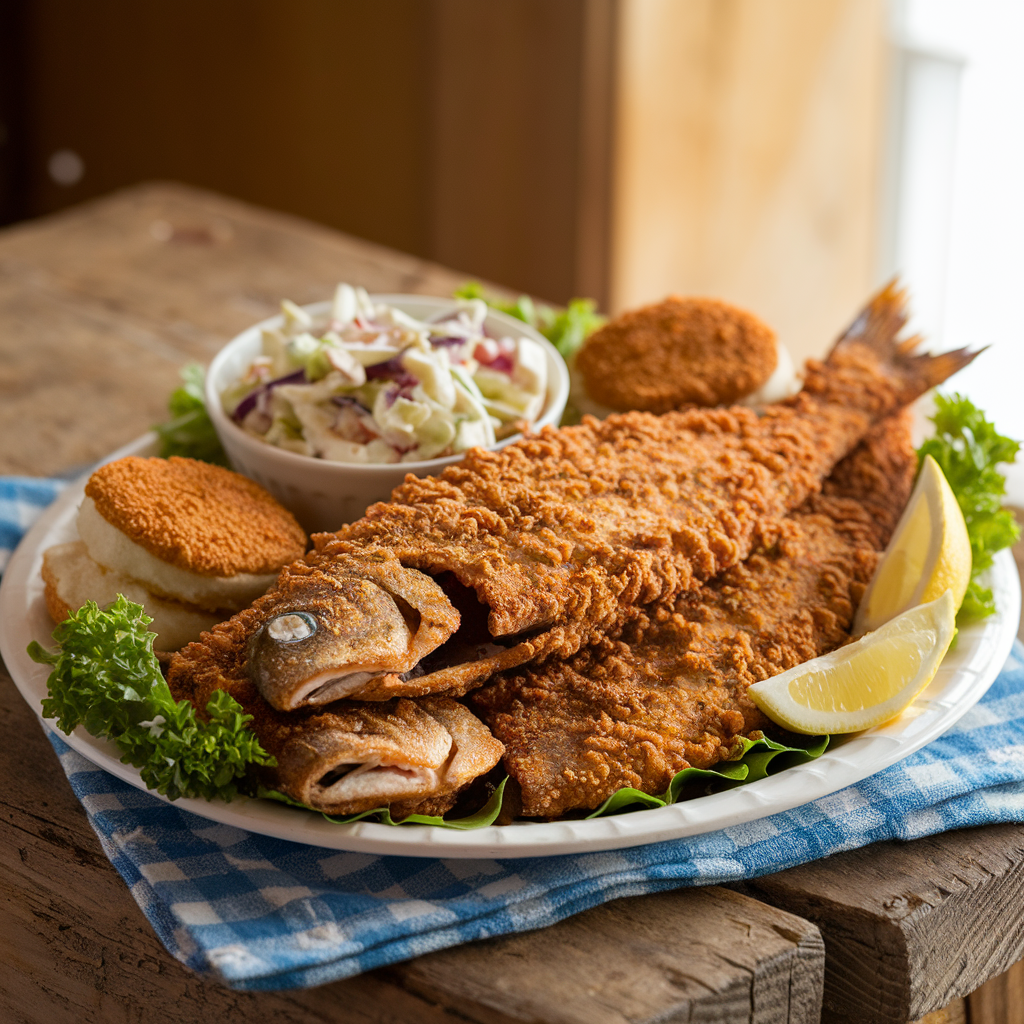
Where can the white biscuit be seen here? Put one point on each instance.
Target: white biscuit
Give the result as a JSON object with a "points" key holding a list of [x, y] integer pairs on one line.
{"points": [[110, 548], [72, 578]]}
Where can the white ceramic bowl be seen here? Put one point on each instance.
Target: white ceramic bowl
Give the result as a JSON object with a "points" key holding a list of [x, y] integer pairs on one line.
{"points": [[324, 495]]}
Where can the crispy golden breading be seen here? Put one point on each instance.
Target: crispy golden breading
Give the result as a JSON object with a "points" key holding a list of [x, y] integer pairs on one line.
{"points": [[564, 537], [197, 517], [350, 756], [56, 606], [676, 352], [368, 611], [650, 568], [565, 534], [670, 692]]}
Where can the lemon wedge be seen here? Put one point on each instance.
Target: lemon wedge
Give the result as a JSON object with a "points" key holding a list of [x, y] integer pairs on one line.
{"points": [[929, 553], [866, 682]]}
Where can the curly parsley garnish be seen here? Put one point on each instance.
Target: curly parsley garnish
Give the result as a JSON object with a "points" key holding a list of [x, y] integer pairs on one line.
{"points": [[968, 449], [106, 678]]}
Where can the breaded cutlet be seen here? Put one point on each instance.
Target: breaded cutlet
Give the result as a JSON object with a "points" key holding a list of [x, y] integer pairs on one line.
{"points": [[189, 541], [196, 517], [677, 352]]}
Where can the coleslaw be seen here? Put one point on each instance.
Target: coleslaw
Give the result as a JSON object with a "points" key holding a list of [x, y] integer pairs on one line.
{"points": [[371, 384]]}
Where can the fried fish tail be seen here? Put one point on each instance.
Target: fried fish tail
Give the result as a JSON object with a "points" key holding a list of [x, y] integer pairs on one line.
{"points": [[870, 366]]}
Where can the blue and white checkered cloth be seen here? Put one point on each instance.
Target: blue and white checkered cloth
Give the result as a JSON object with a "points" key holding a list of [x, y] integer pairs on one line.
{"points": [[22, 499], [262, 913]]}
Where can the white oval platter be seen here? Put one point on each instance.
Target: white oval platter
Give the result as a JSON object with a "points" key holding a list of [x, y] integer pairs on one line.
{"points": [[963, 678]]}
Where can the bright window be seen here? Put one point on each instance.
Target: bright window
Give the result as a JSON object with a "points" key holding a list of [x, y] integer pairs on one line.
{"points": [[956, 190]]}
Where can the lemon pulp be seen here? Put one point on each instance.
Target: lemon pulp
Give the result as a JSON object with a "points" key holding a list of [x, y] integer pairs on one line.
{"points": [[866, 682], [853, 685]]}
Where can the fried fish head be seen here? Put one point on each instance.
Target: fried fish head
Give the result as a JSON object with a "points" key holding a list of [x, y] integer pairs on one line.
{"points": [[331, 626]]}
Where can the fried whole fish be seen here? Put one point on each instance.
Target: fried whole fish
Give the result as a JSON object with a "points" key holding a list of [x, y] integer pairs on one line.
{"points": [[671, 692], [562, 538]]}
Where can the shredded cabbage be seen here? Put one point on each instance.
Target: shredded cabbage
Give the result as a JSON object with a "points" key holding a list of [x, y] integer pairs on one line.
{"points": [[370, 383]]}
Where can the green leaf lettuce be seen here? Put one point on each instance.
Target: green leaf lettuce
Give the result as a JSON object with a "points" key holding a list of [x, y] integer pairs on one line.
{"points": [[566, 329], [189, 432], [968, 449], [757, 759]]}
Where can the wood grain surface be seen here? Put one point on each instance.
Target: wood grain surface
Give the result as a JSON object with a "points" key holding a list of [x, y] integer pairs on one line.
{"points": [[1000, 1000], [954, 1013], [909, 927], [102, 304], [699, 954], [99, 307]]}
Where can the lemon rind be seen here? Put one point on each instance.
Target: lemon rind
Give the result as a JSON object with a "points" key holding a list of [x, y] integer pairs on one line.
{"points": [[772, 695]]}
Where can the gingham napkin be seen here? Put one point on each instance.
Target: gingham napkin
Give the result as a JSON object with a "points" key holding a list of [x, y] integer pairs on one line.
{"points": [[22, 498], [261, 913]]}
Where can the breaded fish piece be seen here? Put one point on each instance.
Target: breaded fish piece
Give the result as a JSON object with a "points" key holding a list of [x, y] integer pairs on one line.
{"points": [[677, 352], [671, 692], [411, 756], [564, 536], [351, 756], [370, 614]]}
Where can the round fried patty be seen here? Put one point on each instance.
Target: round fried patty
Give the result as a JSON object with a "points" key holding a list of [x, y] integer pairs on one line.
{"points": [[677, 352], [196, 517]]}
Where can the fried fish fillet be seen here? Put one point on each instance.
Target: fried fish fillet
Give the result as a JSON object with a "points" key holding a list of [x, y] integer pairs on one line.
{"points": [[671, 692], [563, 537]]}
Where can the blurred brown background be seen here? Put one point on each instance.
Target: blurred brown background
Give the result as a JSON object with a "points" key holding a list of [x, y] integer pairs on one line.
{"points": [[619, 149]]}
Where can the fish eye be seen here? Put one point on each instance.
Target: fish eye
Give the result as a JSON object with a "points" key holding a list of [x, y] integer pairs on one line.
{"points": [[291, 626]]}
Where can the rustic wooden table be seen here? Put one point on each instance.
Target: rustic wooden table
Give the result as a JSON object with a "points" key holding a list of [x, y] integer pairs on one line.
{"points": [[99, 307]]}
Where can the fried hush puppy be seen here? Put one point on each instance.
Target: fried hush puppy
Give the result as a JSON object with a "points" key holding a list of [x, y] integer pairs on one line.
{"points": [[191, 542], [684, 351]]}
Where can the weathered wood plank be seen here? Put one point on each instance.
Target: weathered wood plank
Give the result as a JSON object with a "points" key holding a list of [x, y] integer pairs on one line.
{"points": [[75, 949], [1000, 1000], [908, 927], [704, 954]]}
